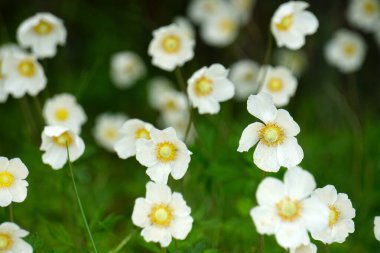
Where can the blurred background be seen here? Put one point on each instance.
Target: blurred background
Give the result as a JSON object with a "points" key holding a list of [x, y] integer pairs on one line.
{"points": [[338, 115]]}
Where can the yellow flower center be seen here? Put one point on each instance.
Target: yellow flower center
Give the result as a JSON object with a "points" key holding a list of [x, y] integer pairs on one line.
{"points": [[249, 76], [203, 86], [271, 135], [5, 242], [111, 133], [349, 49], [288, 209], [61, 114], [161, 215], [26, 68], [171, 104], [275, 84], [166, 152], [63, 139], [43, 27], [129, 68], [334, 215], [171, 44], [6, 179], [285, 23], [142, 133], [370, 7], [226, 25]]}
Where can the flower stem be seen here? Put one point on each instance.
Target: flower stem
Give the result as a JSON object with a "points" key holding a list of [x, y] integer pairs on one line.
{"points": [[79, 201], [11, 217], [122, 243], [163, 249]]}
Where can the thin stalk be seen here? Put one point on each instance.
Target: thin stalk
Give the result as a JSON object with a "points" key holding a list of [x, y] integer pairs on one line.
{"points": [[180, 79], [122, 243], [268, 52], [188, 127], [11, 216], [79, 201], [163, 250], [327, 248]]}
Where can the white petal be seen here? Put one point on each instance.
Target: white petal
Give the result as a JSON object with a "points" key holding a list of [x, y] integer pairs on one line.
{"points": [[145, 152], [20, 246], [5, 197], [55, 157], [157, 234], [19, 190], [270, 191], [3, 163], [181, 227], [223, 90], [315, 214], [261, 106], [159, 173], [291, 235], [289, 153], [18, 168], [158, 193], [250, 136], [299, 183], [125, 148], [327, 194], [344, 205], [179, 206], [306, 22], [265, 219], [140, 214], [266, 158], [286, 122]]}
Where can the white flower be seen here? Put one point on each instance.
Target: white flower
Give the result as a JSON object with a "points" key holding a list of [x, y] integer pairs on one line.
{"points": [[200, 10], [63, 110], [346, 51], [156, 87], [341, 213], [6, 50], [11, 239], [185, 25], [220, 29], [309, 248], [55, 140], [162, 215], [208, 86], [280, 83], [244, 75], [364, 14], [163, 154], [173, 105], [277, 145], [290, 23], [23, 74], [131, 131], [286, 210], [126, 68], [171, 47], [13, 186], [243, 8], [377, 228], [42, 32], [296, 61], [107, 129]]}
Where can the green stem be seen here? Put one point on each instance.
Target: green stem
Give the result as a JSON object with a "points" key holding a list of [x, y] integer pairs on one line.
{"points": [[122, 243], [79, 201], [11, 217], [268, 52], [163, 250], [180, 79]]}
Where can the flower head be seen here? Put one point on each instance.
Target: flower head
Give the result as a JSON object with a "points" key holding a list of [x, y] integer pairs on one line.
{"points": [[11, 239], [244, 75], [277, 145], [42, 32], [309, 248], [163, 215], [376, 228], [291, 22], [200, 10], [158, 86], [364, 14]]}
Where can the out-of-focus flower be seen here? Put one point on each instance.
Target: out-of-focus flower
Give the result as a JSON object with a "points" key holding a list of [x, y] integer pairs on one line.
{"points": [[280, 83], [208, 86], [286, 210], [364, 14], [157, 86], [220, 29], [296, 61], [22, 74], [131, 131], [291, 23], [310, 248], [200, 10], [55, 142], [243, 8], [346, 51], [376, 228], [171, 47], [341, 213], [173, 105], [107, 129], [126, 68], [42, 32], [13, 186], [244, 75], [163, 215], [6, 50], [185, 25], [63, 110], [163, 154], [277, 145], [11, 239]]}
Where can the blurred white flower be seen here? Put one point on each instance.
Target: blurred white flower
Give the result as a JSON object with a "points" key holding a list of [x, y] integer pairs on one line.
{"points": [[180, 124], [221, 28], [341, 213], [11, 239], [126, 68], [277, 145], [244, 75], [291, 23], [296, 61], [346, 51], [55, 140], [162, 215], [173, 105], [280, 83], [171, 47], [131, 131], [243, 8], [364, 14], [376, 228], [22, 74], [13, 186], [63, 110], [200, 10], [286, 210], [163, 154], [107, 129], [157, 86], [309, 248], [42, 32], [185, 25], [208, 86]]}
